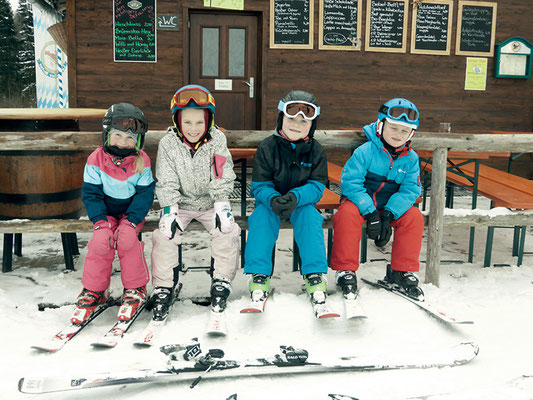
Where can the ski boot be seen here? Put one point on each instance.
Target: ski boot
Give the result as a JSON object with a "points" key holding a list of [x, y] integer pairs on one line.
{"points": [[86, 303], [220, 290], [161, 301], [131, 300], [347, 281], [405, 281], [316, 287], [259, 287]]}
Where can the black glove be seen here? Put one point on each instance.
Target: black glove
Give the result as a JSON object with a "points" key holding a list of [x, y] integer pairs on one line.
{"points": [[284, 205], [386, 229], [373, 225]]}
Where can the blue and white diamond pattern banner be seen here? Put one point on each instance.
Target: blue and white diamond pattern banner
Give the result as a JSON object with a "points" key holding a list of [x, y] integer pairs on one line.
{"points": [[50, 62]]}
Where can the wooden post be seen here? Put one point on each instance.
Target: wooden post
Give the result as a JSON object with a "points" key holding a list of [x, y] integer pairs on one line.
{"points": [[436, 213]]}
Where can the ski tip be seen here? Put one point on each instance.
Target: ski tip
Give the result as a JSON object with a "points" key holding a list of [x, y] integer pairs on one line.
{"points": [[109, 345], [328, 315], [216, 333], [250, 310], [21, 384], [45, 349], [356, 317], [142, 345]]}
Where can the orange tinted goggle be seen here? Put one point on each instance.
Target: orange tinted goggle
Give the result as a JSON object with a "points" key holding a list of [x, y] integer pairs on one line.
{"points": [[199, 96]]}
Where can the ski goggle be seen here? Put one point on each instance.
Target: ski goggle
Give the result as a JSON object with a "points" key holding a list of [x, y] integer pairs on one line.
{"points": [[397, 112], [128, 125], [292, 108], [199, 96], [130, 134]]}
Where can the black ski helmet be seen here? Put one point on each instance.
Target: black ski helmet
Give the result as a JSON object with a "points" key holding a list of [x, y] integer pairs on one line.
{"points": [[123, 110], [299, 95]]}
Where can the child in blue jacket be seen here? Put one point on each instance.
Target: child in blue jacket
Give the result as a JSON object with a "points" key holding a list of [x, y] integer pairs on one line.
{"points": [[289, 178], [380, 184]]}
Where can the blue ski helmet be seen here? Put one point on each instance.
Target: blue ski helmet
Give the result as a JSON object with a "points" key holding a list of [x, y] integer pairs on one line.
{"points": [[400, 111]]}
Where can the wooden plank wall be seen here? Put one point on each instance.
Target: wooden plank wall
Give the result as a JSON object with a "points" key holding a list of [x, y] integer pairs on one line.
{"points": [[350, 86]]}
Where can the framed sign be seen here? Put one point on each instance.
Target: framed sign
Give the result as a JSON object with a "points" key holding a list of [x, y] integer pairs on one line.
{"points": [[134, 31], [386, 25], [476, 28], [339, 25], [291, 24], [432, 27]]}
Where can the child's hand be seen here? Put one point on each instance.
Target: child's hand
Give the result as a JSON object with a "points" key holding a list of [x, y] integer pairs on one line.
{"points": [[373, 225], [386, 229], [170, 222], [224, 219], [284, 205]]}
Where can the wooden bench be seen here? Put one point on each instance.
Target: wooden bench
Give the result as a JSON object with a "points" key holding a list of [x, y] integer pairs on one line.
{"points": [[512, 156], [502, 188], [328, 201]]}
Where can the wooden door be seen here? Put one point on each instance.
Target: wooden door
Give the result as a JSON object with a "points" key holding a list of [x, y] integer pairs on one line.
{"points": [[223, 51]]}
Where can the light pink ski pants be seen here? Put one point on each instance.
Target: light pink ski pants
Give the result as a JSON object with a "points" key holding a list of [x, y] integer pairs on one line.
{"points": [[225, 249], [99, 261]]}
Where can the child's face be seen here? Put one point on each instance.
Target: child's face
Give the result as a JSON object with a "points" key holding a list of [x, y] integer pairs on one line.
{"points": [[192, 124], [122, 140], [395, 135], [296, 128]]}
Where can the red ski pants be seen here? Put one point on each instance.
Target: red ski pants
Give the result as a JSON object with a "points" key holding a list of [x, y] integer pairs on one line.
{"points": [[99, 260], [347, 228]]}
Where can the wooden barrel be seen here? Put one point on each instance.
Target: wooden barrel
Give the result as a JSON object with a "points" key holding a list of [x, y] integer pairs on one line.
{"points": [[41, 184]]}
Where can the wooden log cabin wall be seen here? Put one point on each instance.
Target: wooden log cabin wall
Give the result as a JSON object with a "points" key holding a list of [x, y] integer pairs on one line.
{"points": [[349, 85]]}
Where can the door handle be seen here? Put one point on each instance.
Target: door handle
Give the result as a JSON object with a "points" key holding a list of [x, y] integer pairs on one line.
{"points": [[250, 87]]}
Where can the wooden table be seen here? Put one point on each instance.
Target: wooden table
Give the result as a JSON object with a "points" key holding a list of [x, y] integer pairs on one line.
{"points": [[32, 119], [38, 119]]}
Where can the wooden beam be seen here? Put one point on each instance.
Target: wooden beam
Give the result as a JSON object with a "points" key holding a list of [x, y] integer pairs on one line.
{"points": [[330, 140], [512, 218], [436, 212]]}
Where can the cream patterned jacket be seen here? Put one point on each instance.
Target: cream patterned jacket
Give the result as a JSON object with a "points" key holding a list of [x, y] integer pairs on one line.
{"points": [[193, 182]]}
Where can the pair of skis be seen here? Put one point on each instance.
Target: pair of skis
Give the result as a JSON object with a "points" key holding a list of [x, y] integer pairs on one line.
{"points": [[321, 310], [354, 310], [194, 367], [112, 337]]}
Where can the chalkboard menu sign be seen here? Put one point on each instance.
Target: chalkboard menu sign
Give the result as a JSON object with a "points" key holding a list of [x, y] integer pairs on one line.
{"points": [[339, 25], [291, 24], [476, 28], [134, 30], [432, 25], [386, 25]]}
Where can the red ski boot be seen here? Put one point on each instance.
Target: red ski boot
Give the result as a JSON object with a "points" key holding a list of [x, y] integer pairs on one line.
{"points": [[131, 300], [86, 303]]}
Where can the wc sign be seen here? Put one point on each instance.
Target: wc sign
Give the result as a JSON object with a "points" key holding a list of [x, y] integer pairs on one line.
{"points": [[167, 22]]}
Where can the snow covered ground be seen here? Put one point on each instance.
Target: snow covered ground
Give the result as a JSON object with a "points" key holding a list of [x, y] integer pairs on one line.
{"points": [[498, 299]]}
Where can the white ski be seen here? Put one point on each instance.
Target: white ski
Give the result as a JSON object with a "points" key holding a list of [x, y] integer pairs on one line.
{"points": [[66, 334], [154, 327], [352, 306], [257, 306], [322, 310], [423, 304], [290, 361], [117, 331], [150, 333], [217, 325]]}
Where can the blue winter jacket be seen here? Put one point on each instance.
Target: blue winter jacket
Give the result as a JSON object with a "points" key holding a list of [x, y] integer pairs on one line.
{"points": [[372, 180]]}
